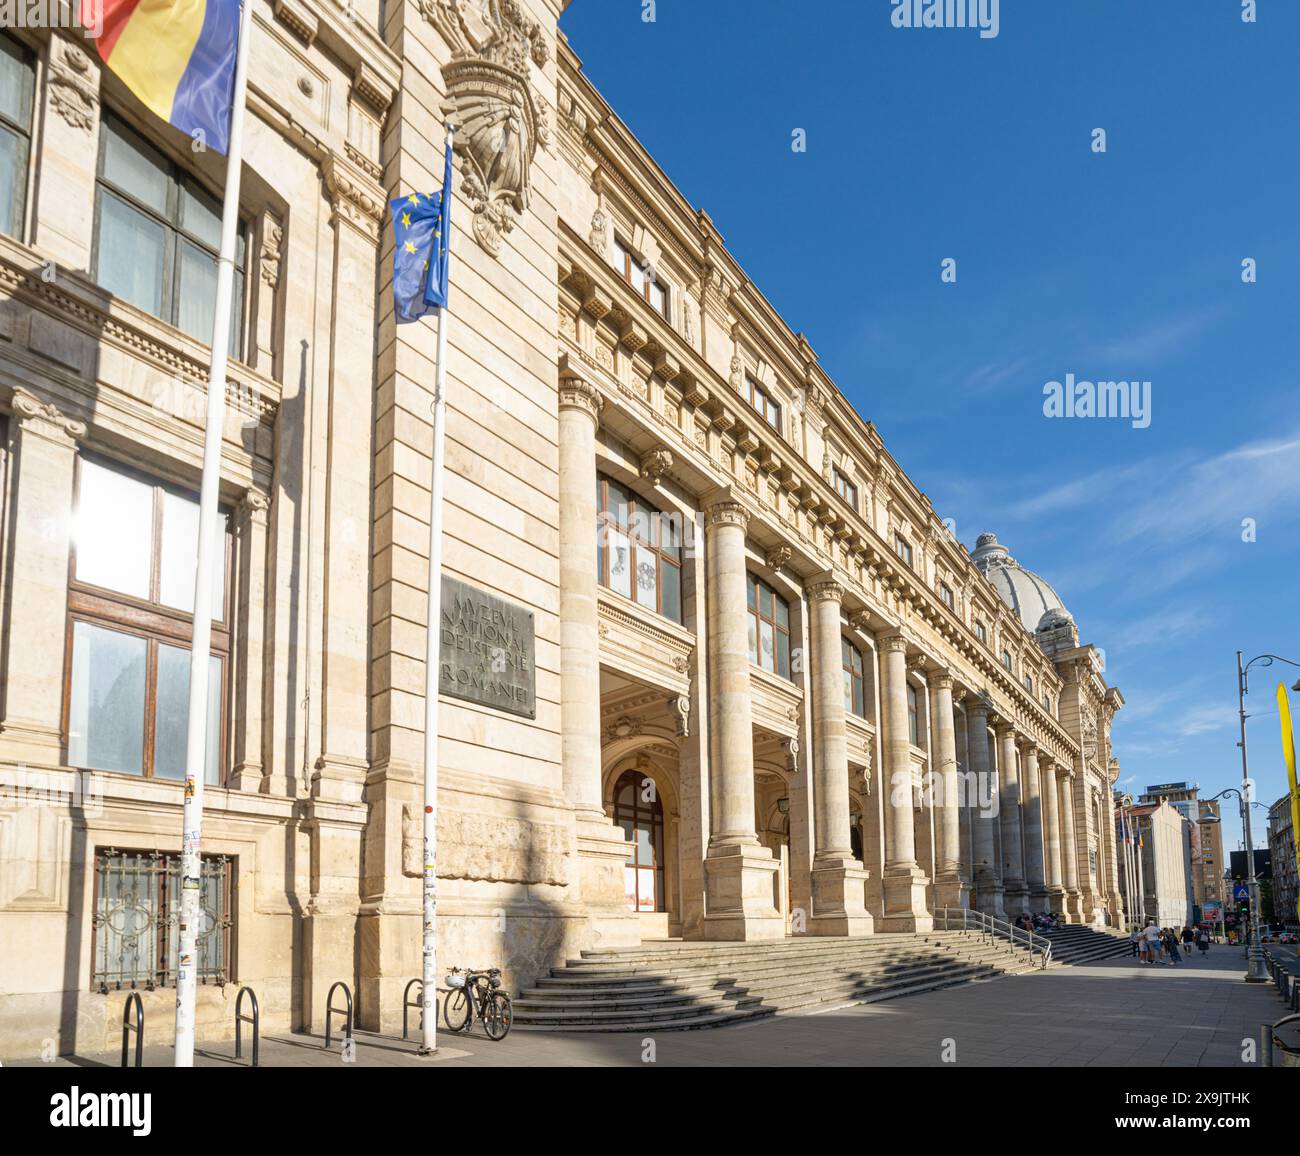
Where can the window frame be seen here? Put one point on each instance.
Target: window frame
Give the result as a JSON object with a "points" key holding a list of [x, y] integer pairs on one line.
{"points": [[648, 816], [175, 234], [1008, 661], [981, 632], [636, 504], [913, 715], [903, 548], [165, 926], [755, 584], [28, 60], [947, 597], [770, 409], [649, 275], [157, 624], [855, 686], [845, 487]]}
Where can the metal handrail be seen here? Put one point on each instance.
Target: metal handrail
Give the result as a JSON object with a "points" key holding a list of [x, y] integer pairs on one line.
{"points": [[241, 1019], [331, 1010], [990, 927], [408, 1003], [133, 1001]]}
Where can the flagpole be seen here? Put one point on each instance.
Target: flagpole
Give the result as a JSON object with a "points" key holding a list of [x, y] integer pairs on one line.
{"points": [[197, 733], [429, 987]]}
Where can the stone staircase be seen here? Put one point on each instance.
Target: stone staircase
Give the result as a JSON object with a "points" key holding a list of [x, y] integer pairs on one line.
{"points": [[674, 985], [1076, 944]]}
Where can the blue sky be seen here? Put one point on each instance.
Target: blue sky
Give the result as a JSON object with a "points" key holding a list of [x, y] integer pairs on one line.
{"points": [[934, 143]]}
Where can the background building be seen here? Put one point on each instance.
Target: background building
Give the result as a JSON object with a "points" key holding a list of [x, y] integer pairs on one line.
{"points": [[771, 694], [1162, 879], [1204, 835], [1282, 859]]}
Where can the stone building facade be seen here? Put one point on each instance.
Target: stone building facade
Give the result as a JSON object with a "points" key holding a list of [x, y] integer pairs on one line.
{"points": [[1163, 881], [1281, 853], [759, 668]]}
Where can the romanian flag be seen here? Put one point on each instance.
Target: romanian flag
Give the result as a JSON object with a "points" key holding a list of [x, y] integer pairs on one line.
{"points": [[177, 56]]}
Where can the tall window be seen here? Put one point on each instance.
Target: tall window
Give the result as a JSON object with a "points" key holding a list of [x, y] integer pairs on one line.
{"points": [[641, 277], [946, 596], [1029, 683], [913, 716], [158, 236], [769, 628], [855, 699], [130, 603], [982, 633], [1006, 659], [903, 548], [639, 811], [845, 488], [137, 919], [1047, 703], [635, 539], [17, 82], [763, 402]]}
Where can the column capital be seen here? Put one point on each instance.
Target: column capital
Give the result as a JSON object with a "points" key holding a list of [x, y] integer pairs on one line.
{"points": [[253, 507], [941, 678], [577, 393], [1026, 744], [1005, 729], [825, 589], [728, 512], [893, 644], [45, 419]]}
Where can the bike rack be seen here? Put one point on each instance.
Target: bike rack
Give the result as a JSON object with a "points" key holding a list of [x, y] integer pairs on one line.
{"points": [[133, 1001], [241, 1019], [331, 1011], [408, 1003]]}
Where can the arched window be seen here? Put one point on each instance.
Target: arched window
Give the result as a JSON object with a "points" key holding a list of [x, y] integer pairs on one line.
{"points": [[638, 810]]}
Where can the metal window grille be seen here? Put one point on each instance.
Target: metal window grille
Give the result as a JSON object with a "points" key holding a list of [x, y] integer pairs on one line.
{"points": [[137, 920]]}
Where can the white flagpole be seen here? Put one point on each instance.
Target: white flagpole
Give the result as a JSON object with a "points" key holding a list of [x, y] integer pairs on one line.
{"points": [[429, 987], [197, 735]]}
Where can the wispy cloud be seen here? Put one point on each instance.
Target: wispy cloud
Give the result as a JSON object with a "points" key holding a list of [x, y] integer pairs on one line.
{"points": [[1155, 343]]}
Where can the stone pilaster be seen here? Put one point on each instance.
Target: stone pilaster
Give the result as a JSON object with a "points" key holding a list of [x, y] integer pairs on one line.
{"points": [[1013, 859], [43, 446], [1051, 799], [1032, 815], [950, 889], [838, 880], [740, 873], [249, 772], [904, 881], [602, 849], [988, 879]]}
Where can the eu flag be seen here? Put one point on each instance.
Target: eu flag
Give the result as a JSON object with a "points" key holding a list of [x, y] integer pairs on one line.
{"points": [[421, 232]]}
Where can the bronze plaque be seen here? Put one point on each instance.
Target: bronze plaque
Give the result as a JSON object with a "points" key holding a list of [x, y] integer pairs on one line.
{"points": [[486, 650]]}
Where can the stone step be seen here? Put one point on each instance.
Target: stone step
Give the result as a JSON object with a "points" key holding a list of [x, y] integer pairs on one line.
{"points": [[754, 1006]]}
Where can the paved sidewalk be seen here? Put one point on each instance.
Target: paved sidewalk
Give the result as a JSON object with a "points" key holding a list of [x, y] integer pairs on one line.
{"points": [[1110, 1014]]}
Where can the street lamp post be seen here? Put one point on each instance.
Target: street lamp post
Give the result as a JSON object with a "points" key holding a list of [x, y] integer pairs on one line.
{"points": [[1256, 971]]}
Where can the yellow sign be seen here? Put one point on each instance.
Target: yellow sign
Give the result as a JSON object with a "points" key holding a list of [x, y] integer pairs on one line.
{"points": [[1288, 753]]}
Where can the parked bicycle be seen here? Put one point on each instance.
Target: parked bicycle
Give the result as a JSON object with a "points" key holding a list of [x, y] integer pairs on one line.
{"points": [[469, 990]]}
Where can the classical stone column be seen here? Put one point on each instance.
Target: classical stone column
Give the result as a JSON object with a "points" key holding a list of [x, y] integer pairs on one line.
{"points": [[43, 442], [1032, 815], [1112, 861], [739, 871], [1013, 859], [949, 889], [1069, 847], [1052, 827], [904, 882], [982, 795], [601, 847], [837, 878]]}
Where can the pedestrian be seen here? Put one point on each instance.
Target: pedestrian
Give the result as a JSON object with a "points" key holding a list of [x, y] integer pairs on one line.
{"points": [[1171, 946], [1203, 941], [1189, 937], [1151, 936], [1135, 943]]}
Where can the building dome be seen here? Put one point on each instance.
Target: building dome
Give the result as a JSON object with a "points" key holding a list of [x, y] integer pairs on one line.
{"points": [[1038, 606]]}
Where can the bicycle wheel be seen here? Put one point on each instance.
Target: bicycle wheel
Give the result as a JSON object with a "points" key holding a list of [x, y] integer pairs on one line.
{"points": [[455, 1010], [498, 1016]]}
